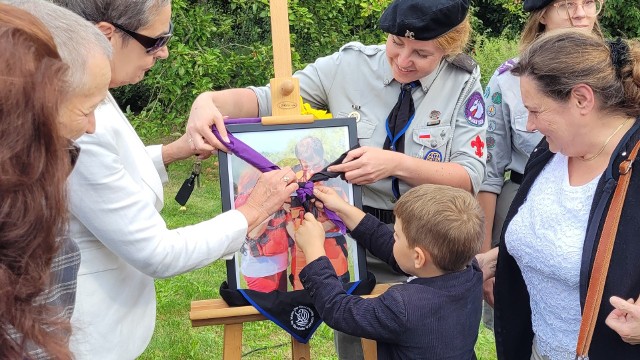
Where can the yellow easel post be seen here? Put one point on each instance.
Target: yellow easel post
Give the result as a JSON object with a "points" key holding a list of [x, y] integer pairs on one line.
{"points": [[286, 109], [285, 89]]}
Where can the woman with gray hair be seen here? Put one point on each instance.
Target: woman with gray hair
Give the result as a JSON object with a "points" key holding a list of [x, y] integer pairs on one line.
{"points": [[116, 195]]}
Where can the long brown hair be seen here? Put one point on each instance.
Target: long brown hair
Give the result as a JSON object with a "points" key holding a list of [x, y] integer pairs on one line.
{"points": [[34, 165]]}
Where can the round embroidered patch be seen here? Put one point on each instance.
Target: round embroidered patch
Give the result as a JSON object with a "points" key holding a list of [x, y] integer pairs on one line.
{"points": [[433, 155], [491, 142], [474, 109], [492, 126], [491, 110], [496, 98], [301, 317]]}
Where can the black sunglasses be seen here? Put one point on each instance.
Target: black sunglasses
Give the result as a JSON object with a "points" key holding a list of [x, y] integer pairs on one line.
{"points": [[151, 45]]}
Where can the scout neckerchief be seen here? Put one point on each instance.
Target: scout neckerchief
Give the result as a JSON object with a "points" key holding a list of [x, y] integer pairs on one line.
{"points": [[398, 122], [293, 311]]}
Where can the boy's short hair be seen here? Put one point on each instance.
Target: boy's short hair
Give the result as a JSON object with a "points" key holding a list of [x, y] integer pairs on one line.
{"points": [[445, 221]]}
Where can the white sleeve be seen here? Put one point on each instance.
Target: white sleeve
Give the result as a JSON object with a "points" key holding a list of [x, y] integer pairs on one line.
{"points": [[119, 211]]}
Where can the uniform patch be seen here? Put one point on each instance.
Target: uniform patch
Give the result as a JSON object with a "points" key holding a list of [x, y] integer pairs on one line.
{"points": [[487, 91], [496, 98], [435, 115], [474, 109], [424, 135], [508, 65], [433, 155], [492, 126], [478, 144], [489, 157], [491, 142], [491, 110]]}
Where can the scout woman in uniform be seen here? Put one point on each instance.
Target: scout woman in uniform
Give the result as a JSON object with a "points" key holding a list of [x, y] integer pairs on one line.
{"points": [[417, 101]]}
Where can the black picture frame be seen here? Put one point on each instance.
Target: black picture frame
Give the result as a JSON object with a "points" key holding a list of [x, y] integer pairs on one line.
{"points": [[272, 141]]}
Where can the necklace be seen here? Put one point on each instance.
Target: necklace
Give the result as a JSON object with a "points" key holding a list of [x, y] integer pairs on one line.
{"points": [[605, 143]]}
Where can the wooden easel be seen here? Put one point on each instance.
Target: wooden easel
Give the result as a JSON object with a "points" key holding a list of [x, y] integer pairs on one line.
{"points": [[217, 312], [286, 109]]}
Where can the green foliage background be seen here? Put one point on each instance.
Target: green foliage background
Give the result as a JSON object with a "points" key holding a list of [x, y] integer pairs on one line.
{"points": [[223, 44]]}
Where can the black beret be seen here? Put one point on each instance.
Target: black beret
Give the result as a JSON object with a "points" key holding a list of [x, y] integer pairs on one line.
{"points": [[423, 19], [533, 5]]}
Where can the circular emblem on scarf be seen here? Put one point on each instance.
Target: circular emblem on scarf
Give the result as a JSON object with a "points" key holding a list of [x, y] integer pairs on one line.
{"points": [[474, 109], [301, 317], [433, 155]]}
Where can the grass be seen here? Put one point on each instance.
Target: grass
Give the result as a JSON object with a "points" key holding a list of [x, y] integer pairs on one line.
{"points": [[174, 338]]}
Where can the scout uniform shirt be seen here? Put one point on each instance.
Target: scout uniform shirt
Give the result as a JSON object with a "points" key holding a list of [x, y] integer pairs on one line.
{"points": [[508, 141], [357, 81]]}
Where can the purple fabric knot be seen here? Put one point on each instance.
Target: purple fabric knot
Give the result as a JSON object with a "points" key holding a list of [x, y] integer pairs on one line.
{"points": [[305, 193]]}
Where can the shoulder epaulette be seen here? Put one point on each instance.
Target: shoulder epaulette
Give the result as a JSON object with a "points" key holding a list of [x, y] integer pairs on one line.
{"points": [[506, 66], [365, 49], [464, 62]]}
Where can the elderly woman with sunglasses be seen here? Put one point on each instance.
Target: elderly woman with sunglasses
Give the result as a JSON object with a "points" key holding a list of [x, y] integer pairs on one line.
{"points": [[116, 193]]}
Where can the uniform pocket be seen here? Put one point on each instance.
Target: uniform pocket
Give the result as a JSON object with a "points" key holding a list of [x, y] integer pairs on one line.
{"points": [[365, 128], [522, 138], [431, 142]]}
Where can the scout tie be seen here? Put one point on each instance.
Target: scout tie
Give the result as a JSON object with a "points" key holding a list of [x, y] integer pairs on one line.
{"points": [[398, 122]]}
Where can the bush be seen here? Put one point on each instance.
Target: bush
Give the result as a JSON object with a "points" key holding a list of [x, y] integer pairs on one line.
{"points": [[225, 44]]}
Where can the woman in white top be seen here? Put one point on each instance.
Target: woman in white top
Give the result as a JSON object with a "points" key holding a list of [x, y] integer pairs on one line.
{"points": [[587, 107], [116, 195]]}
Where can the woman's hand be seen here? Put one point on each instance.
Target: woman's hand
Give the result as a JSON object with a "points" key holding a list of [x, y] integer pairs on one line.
{"points": [[270, 193], [181, 149], [310, 238], [487, 262], [625, 319], [366, 165], [203, 115]]}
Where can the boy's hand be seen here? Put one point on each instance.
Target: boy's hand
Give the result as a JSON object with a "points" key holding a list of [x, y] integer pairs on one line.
{"points": [[310, 238], [330, 199]]}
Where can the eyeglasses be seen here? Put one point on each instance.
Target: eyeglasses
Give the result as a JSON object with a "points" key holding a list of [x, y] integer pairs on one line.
{"points": [[151, 45], [568, 8]]}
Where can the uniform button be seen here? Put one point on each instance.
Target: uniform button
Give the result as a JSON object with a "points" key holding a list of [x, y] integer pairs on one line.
{"points": [[434, 143], [386, 81], [393, 200]]}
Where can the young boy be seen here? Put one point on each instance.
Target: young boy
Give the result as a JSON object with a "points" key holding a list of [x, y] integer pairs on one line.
{"points": [[436, 314]]}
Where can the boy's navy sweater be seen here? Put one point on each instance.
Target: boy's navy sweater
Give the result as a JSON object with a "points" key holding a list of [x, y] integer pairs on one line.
{"points": [[426, 318]]}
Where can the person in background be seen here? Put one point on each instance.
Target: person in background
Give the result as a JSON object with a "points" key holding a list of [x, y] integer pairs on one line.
{"points": [[509, 143], [116, 194], [587, 107], [41, 85], [417, 101]]}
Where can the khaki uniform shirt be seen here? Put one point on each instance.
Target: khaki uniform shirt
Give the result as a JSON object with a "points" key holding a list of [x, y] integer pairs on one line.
{"points": [[508, 140], [357, 81]]}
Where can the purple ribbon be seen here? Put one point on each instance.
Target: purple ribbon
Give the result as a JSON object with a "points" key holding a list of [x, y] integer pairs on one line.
{"points": [[252, 157]]}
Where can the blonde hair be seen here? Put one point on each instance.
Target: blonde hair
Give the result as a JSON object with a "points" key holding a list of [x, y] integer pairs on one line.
{"points": [[455, 40], [534, 28], [561, 59], [445, 221]]}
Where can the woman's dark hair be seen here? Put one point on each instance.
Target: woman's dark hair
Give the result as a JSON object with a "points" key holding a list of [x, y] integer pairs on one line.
{"points": [[34, 164]]}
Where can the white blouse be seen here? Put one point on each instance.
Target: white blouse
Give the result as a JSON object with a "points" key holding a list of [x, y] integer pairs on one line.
{"points": [[545, 238]]}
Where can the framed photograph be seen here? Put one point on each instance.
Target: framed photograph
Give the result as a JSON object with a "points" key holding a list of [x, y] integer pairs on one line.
{"points": [[269, 258]]}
